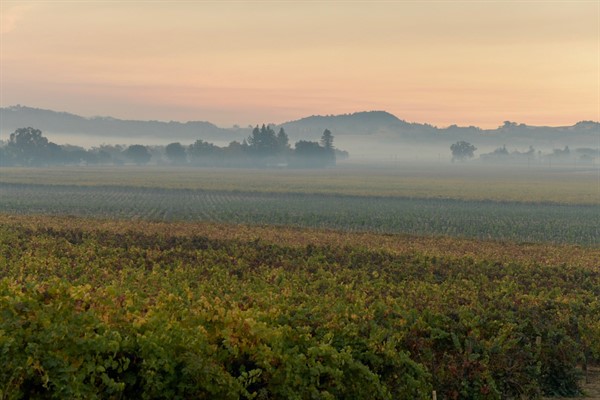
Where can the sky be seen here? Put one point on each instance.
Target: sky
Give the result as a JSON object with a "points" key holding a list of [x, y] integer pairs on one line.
{"points": [[250, 62]]}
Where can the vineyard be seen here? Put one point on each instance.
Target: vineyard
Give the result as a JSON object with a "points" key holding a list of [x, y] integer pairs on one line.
{"points": [[515, 221], [122, 309], [330, 284], [481, 183]]}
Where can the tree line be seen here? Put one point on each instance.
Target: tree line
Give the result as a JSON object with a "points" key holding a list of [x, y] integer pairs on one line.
{"points": [[462, 151], [263, 148]]}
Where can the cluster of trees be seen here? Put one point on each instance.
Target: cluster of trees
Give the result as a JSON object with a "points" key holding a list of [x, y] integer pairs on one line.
{"points": [[564, 155], [502, 154], [462, 151], [263, 148]]}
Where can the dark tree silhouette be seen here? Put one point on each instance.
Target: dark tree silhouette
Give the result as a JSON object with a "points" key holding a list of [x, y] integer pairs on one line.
{"points": [[175, 153], [327, 143], [109, 154], [28, 146], [462, 150], [283, 142], [203, 153], [327, 139], [138, 154], [310, 154], [263, 141], [308, 149]]}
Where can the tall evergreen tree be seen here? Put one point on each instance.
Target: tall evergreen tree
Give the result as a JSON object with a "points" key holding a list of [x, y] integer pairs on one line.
{"points": [[263, 141], [327, 140], [327, 143], [283, 140]]}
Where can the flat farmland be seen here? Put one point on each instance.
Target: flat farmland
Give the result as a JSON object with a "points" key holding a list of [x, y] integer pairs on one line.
{"points": [[523, 222], [531, 205], [450, 181]]}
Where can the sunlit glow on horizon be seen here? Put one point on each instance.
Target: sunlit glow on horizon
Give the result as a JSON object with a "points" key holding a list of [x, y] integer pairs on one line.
{"points": [[229, 63]]}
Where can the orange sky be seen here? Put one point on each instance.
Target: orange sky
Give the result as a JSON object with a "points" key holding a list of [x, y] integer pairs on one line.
{"points": [[248, 62]]}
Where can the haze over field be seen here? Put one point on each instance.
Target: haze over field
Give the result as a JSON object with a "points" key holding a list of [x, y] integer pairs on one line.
{"points": [[372, 134], [443, 62]]}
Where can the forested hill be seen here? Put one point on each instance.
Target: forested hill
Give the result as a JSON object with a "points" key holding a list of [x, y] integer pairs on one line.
{"points": [[359, 123], [387, 127], [65, 123], [373, 126]]}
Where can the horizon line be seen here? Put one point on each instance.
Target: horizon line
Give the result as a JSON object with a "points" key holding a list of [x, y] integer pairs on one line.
{"points": [[238, 126]]}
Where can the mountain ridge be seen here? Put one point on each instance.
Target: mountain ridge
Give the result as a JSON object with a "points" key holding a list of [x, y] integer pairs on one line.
{"points": [[14, 117], [382, 125]]}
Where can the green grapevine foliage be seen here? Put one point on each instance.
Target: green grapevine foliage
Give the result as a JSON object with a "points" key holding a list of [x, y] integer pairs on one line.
{"points": [[126, 313]]}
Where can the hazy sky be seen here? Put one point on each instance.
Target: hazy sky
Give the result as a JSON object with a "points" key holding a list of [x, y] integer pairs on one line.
{"points": [[248, 62]]}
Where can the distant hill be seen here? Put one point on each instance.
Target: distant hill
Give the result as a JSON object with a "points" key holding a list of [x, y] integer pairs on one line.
{"points": [[387, 128], [371, 127], [359, 123], [49, 121]]}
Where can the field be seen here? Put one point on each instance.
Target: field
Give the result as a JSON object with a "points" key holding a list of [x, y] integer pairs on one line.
{"points": [[352, 283], [447, 181], [560, 206]]}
